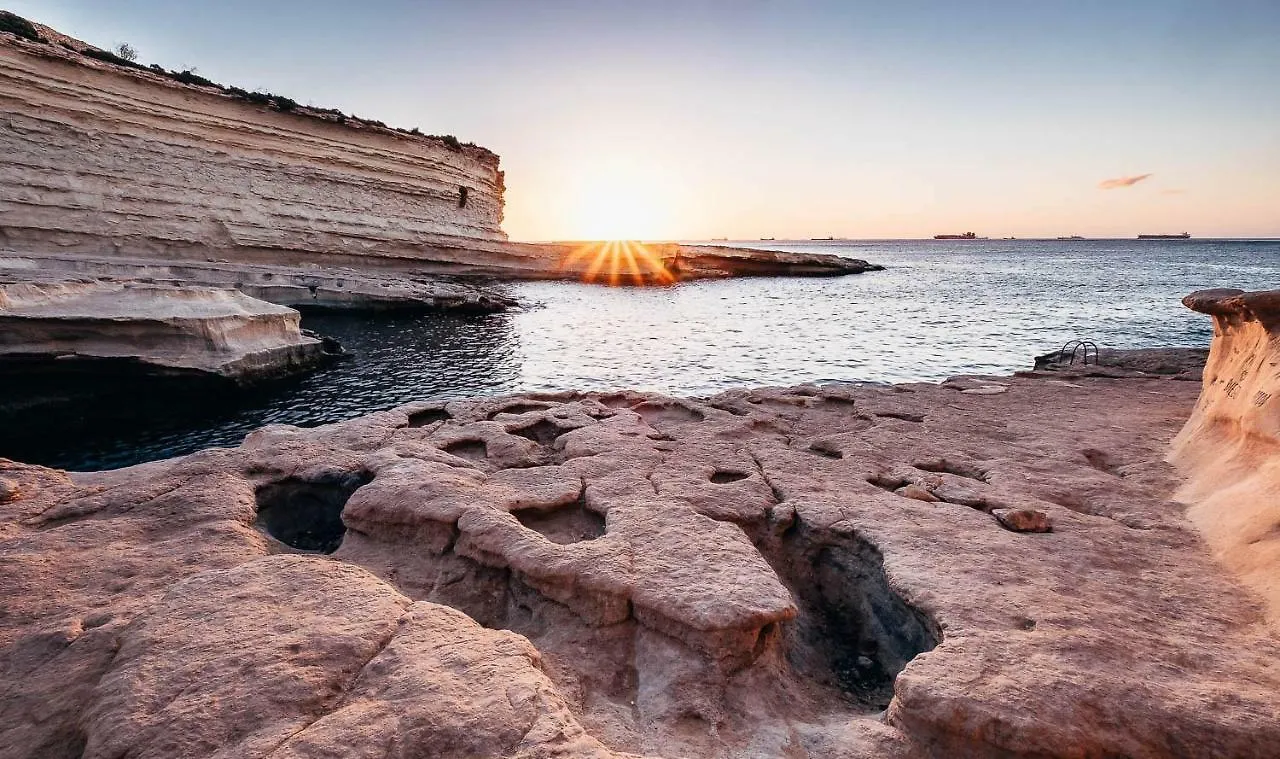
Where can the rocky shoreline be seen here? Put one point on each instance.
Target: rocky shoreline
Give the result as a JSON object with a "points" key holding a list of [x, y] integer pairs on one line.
{"points": [[58, 327], [989, 566]]}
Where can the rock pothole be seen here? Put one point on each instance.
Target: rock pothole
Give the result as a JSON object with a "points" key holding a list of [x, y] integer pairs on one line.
{"points": [[472, 450], [662, 416], [854, 632], [307, 515], [523, 407], [543, 432], [725, 476], [427, 416], [572, 523]]}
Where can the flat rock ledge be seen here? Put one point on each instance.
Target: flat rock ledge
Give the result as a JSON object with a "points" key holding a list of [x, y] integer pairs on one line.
{"points": [[819, 571], [91, 327], [342, 288]]}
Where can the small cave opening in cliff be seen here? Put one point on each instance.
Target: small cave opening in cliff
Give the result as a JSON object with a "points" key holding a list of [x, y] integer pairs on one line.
{"points": [[463, 192], [572, 523], [854, 632], [725, 476], [307, 514]]}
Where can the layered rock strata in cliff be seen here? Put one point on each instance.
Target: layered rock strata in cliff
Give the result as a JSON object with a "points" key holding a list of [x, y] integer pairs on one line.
{"points": [[101, 159], [820, 571], [338, 288], [77, 326], [1230, 447]]}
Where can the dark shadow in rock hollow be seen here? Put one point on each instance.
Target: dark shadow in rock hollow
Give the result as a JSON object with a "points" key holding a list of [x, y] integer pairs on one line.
{"points": [[564, 525], [427, 416], [543, 432], [472, 450], [307, 515], [854, 632]]}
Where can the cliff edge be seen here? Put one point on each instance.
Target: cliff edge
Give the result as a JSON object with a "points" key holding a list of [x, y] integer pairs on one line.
{"points": [[1230, 446], [107, 161]]}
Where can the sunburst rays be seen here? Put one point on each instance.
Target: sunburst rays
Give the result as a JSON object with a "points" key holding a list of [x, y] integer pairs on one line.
{"points": [[617, 262]]}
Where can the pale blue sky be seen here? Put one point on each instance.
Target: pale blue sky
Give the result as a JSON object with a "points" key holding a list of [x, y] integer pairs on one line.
{"points": [[783, 119]]}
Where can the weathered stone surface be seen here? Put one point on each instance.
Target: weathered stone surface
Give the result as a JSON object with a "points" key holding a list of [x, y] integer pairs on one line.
{"points": [[1230, 447], [311, 286], [733, 576], [1023, 520], [319, 657], [162, 329]]}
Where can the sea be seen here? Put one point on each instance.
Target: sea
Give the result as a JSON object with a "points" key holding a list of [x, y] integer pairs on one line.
{"points": [[940, 308]]}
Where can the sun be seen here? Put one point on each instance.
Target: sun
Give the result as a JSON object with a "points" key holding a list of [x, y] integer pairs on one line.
{"points": [[624, 214], [618, 200]]}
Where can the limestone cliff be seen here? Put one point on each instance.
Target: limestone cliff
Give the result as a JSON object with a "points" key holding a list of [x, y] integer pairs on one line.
{"points": [[105, 160], [100, 157], [1230, 446]]}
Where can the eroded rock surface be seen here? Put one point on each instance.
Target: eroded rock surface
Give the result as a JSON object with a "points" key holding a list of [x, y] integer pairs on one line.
{"points": [[753, 574], [1230, 447], [57, 325]]}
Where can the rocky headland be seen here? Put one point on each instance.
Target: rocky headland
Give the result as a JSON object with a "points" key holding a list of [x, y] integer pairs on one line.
{"points": [[119, 173], [107, 159], [987, 567]]}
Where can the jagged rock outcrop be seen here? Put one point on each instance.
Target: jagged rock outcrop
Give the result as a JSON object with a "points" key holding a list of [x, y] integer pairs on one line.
{"points": [[751, 574], [81, 326], [1230, 447]]}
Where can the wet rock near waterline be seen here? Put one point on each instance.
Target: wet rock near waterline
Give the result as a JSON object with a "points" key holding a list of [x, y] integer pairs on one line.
{"points": [[643, 575], [65, 328]]}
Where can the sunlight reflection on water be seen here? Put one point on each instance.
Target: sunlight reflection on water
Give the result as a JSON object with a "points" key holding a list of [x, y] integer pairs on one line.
{"points": [[940, 309]]}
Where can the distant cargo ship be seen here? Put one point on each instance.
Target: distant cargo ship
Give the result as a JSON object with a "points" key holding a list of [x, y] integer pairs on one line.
{"points": [[1071, 237], [822, 239], [1183, 236], [965, 236]]}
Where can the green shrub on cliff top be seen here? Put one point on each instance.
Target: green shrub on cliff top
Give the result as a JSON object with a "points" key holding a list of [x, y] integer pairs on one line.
{"points": [[15, 24]]}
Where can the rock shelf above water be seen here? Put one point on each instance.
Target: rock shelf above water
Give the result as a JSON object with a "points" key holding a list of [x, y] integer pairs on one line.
{"points": [[84, 326], [758, 573]]}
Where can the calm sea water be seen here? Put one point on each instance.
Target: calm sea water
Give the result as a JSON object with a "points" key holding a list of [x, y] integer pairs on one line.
{"points": [[940, 309]]}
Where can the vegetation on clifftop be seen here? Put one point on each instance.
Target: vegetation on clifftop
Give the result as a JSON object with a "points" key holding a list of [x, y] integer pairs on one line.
{"points": [[126, 57], [15, 24]]}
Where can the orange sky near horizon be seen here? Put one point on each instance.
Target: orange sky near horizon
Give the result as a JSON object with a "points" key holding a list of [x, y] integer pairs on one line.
{"points": [[697, 119]]}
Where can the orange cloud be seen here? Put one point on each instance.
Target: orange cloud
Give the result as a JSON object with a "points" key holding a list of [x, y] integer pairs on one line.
{"points": [[1114, 184]]}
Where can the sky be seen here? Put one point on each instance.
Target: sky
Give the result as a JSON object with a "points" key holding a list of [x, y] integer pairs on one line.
{"points": [[765, 118]]}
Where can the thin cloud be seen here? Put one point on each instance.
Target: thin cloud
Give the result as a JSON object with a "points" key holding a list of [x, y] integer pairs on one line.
{"points": [[1118, 182], [1172, 191]]}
